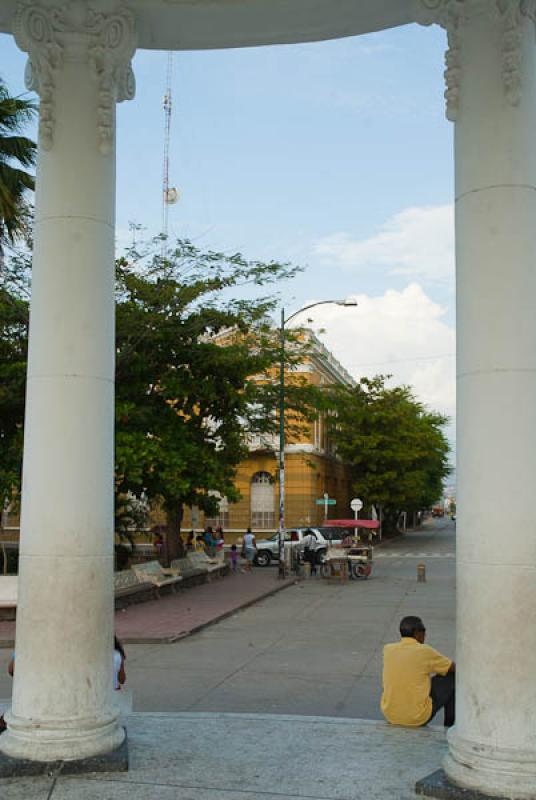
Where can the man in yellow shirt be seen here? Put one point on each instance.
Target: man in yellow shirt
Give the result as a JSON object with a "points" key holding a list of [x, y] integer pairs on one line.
{"points": [[411, 696]]}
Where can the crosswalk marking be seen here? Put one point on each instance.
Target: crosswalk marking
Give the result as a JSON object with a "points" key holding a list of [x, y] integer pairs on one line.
{"points": [[392, 554]]}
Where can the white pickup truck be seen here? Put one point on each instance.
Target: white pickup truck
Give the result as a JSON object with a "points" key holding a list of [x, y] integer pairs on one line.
{"points": [[268, 549]]}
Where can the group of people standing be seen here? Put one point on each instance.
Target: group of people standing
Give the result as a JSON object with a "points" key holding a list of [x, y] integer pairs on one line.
{"points": [[210, 542]]}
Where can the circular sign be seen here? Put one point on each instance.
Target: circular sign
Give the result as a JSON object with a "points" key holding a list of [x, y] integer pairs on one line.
{"points": [[356, 504]]}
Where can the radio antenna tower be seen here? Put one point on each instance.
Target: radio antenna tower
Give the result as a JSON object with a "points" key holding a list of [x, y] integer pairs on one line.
{"points": [[169, 195]]}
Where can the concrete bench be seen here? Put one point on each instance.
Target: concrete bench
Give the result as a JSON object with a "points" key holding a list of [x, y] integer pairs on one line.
{"points": [[128, 588], [153, 572], [189, 569], [216, 567]]}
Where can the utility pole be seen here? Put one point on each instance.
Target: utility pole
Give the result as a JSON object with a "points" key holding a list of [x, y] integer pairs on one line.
{"points": [[281, 527]]}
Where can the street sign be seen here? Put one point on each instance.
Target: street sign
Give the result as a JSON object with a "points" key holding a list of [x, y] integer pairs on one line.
{"points": [[328, 502], [356, 504]]}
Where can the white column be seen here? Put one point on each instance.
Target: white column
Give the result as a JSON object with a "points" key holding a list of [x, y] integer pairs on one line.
{"points": [[79, 62], [491, 94]]}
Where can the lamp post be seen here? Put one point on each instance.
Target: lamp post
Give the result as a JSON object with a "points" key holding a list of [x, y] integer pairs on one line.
{"points": [[281, 528]]}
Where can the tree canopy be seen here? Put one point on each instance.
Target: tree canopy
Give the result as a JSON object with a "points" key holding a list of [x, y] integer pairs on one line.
{"points": [[396, 450], [196, 352], [196, 357]]}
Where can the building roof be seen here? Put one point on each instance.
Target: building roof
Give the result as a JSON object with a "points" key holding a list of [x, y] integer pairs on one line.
{"points": [[322, 358]]}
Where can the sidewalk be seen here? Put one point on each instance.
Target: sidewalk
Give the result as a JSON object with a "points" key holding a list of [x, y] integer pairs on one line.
{"points": [[177, 615]]}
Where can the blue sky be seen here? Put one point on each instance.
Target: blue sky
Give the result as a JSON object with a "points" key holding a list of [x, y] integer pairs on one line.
{"points": [[336, 156]]}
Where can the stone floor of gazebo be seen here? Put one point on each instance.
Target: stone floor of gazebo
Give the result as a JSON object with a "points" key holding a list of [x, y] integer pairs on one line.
{"points": [[247, 756]]}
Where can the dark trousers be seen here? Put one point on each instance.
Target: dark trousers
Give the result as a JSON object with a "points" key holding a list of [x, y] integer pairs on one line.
{"points": [[443, 696], [310, 556]]}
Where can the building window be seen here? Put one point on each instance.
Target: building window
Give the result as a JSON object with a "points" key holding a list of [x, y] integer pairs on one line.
{"points": [[262, 501]]}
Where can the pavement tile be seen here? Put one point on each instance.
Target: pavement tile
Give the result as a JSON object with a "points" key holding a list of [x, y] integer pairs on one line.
{"points": [[156, 689], [273, 694], [102, 790], [26, 788], [181, 756], [363, 699]]}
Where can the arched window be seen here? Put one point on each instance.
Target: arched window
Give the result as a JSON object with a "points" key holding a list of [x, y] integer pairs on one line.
{"points": [[262, 501]]}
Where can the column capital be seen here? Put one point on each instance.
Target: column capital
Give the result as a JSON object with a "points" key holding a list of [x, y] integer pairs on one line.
{"points": [[75, 31], [452, 15]]}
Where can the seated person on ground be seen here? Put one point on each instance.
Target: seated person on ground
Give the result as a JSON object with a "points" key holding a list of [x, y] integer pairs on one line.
{"points": [[417, 680]]}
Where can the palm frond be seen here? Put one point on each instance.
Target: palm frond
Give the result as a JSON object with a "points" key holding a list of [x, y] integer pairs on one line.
{"points": [[17, 152], [15, 112], [19, 148]]}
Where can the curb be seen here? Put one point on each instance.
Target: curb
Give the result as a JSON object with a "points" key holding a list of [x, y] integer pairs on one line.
{"points": [[196, 628]]}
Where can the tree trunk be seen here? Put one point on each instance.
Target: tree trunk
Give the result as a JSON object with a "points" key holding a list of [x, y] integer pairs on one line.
{"points": [[173, 545]]}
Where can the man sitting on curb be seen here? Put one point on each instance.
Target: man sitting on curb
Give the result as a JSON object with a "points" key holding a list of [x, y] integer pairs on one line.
{"points": [[411, 696]]}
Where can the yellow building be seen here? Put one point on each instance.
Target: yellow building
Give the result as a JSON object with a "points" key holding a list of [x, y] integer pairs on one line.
{"points": [[311, 468]]}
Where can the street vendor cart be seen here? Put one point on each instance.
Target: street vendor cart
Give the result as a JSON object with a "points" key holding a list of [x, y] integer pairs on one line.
{"points": [[353, 557]]}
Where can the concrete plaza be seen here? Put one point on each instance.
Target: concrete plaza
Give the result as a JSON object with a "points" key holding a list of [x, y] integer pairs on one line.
{"points": [[247, 757], [311, 649], [282, 698]]}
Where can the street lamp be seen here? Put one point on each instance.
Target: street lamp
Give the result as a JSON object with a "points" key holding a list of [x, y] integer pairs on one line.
{"points": [[345, 303]]}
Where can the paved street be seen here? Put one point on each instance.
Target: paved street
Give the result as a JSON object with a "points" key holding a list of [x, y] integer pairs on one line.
{"points": [[312, 649]]}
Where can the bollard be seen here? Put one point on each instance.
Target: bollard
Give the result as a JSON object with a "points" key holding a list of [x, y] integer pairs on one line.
{"points": [[421, 573], [307, 569]]}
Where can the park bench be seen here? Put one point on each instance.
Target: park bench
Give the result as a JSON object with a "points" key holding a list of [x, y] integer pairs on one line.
{"points": [[215, 567], [155, 573], [188, 569], [128, 588]]}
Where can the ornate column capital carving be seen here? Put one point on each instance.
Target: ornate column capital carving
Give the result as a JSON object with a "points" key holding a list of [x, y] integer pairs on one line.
{"points": [[439, 12], [449, 14], [511, 15], [74, 30]]}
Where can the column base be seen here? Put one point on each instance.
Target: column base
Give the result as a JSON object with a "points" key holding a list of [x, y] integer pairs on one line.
{"points": [[116, 761], [438, 785]]}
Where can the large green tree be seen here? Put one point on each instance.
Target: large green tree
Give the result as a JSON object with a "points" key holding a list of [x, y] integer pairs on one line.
{"points": [[396, 450], [196, 357], [17, 157], [196, 372]]}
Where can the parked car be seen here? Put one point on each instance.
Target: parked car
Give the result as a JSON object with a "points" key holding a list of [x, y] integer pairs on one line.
{"points": [[268, 549]]}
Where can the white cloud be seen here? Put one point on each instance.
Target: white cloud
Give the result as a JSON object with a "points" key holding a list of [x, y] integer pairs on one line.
{"points": [[418, 242], [401, 333]]}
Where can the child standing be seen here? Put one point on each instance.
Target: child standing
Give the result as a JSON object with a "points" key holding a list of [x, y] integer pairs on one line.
{"points": [[234, 558]]}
